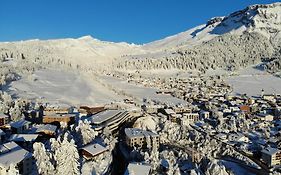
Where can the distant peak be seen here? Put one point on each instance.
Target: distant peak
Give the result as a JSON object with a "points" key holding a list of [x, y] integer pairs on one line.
{"points": [[87, 37]]}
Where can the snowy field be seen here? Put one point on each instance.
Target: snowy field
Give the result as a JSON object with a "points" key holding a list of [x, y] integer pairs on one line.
{"points": [[62, 87], [251, 81]]}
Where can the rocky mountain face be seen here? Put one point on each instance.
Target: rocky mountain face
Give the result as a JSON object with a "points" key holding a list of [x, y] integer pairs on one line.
{"points": [[243, 38]]}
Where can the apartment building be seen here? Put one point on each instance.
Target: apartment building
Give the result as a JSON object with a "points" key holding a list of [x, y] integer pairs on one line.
{"points": [[140, 138]]}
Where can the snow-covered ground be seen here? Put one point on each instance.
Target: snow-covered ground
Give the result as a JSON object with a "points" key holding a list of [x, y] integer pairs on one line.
{"points": [[251, 81], [235, 168], [62, 87]]}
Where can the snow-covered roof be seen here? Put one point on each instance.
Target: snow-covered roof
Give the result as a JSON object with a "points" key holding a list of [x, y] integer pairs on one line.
{"points": [[19, 123], [270, 151], [169, 111], [46, 127], [137, 169], [135, 132], [12, 153], [103, 116], [23, 137], [94, 149]]}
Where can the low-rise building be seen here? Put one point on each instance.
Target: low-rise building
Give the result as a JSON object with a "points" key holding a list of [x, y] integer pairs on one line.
{"points": [[4, 119], [190, 118], [245, 108], [138, 169], [24, 140], [50, 110], [34, 116], [140, 138], [271, 156], [23, 137], [57, 118], [269, 97], [195, 156], [12, 153], [20, 127], [238, 137], [265, 117], [204, 114], [152, 109], [92, 150], [47, 129]]}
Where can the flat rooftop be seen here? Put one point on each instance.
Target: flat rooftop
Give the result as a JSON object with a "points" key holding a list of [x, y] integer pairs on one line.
{"points": [[138, 169], [104, 116]]}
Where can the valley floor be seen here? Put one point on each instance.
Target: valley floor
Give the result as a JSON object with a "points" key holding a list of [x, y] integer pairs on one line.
{"points": [[251, 81]]}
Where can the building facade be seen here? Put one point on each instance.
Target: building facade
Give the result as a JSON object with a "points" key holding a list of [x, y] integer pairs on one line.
{"points": [[141, 139]]}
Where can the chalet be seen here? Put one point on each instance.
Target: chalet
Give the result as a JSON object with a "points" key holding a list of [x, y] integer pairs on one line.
{"points": [[34, 116], [92, 150], [20, 126], [24, 140], [12, 153], [50, 110], [138, 169], [4, 119], [47, 129], [27, 138], [175, 117], [245, 108], [238, 137], [57, 118]]}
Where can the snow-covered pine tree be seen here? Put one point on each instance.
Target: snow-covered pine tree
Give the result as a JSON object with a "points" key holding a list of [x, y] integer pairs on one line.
{"points": [[43, 159], [85, 132], [67, 157]]}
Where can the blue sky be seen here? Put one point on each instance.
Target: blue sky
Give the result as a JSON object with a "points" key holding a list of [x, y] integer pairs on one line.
{"points": [[133, 21]]}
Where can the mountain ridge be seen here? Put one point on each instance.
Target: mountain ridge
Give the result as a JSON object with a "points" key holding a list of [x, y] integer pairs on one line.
{"points": [[90, 52]]}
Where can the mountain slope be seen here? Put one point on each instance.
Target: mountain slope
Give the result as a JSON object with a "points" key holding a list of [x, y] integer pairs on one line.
{"points": [[85, 51], [192, 49], [264, 19], [243, 38]]}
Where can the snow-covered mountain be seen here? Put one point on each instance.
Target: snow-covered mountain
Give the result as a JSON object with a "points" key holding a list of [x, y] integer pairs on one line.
{"points": [[256, 28], [85, 51], [264, 19], [243, 38]]}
